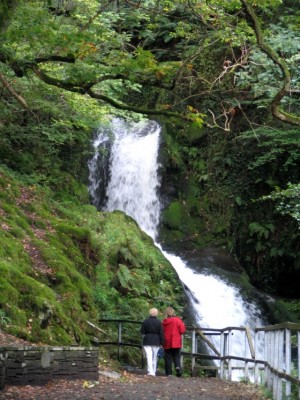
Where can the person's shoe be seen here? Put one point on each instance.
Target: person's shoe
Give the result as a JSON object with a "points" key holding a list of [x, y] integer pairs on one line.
{"points": [[178, 371]]}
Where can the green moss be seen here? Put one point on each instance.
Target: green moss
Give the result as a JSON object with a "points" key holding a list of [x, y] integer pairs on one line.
{"points": [[40, 224], [79, 233], [76, 264], [194, 132], [12, 251], [5, 196], [284, 311], [173, 215], [8, 293], [17, 232]]}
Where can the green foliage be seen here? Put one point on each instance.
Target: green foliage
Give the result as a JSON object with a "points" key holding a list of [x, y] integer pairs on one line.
{"points": [[234, 188], [70, 264], [4, 320], [262, 78], [174, 215], [287, 200], [261, 231]]}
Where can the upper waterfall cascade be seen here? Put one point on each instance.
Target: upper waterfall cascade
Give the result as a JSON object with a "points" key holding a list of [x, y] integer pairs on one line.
{"points": [[133, 187], [133, 172]]}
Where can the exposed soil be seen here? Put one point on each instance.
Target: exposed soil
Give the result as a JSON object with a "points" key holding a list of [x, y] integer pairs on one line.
{"points": [[7, 340]]}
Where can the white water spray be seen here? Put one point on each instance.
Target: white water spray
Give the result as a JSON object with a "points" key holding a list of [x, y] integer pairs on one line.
{"points": [[133, 188], [134, 182]]}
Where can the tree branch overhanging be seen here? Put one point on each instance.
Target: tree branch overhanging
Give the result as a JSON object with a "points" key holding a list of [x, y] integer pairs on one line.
{"points": [[280, 62], [86, 88], [138, 110]]}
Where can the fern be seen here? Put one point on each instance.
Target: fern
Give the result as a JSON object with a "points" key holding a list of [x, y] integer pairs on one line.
{"points": [[261, 231], [124, 276]]}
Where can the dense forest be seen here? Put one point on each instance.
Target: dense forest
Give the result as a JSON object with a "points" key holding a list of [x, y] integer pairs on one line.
{"points": [[223, 80]]}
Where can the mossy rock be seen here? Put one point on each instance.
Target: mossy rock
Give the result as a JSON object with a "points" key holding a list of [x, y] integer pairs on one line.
{"points": [[173, 215]]}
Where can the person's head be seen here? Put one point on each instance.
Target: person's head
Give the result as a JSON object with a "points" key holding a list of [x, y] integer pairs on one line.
{"points": [[153, 312], [170, 312]]}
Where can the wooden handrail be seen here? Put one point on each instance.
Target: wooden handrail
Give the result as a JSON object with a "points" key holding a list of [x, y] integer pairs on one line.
{"points": [[275, 367], [284, 325], [209, 344], [96, 327], [250, 341]]}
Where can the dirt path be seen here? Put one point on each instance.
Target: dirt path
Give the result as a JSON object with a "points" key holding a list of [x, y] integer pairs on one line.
{"points": [[136, 387]]}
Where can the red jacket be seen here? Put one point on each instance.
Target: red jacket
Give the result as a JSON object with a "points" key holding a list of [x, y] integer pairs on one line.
{"points": [[173, 329]]}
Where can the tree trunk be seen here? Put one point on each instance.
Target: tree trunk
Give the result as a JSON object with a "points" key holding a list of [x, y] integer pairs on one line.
{"points": [[7, 8]]}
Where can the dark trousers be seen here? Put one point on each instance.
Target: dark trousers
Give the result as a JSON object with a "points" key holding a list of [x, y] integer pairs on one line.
{"points": [[171, 355]]}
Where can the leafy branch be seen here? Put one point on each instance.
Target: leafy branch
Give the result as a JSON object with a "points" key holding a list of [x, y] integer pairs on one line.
{"points": [[280, 62], [11, 90], [82, 87]]}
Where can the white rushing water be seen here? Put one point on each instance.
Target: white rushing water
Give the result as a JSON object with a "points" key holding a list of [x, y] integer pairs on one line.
{"points": [[133, 188], [133, 183]]}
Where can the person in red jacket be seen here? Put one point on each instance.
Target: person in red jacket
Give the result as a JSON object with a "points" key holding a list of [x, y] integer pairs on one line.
{"points": [[173, 329]]}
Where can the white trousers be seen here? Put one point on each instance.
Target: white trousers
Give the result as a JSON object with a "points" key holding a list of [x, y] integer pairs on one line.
{"points": [[151, 356]]}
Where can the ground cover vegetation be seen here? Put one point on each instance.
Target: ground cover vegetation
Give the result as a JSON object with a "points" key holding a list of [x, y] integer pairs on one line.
{"points": [[223, 79], [63, 264]]}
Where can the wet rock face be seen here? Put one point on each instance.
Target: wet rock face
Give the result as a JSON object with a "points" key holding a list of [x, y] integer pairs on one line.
{"points": [[218, 263], [211, 258]]}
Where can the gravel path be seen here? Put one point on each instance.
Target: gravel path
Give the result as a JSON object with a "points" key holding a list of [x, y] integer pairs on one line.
{"points": [[136, 387]]}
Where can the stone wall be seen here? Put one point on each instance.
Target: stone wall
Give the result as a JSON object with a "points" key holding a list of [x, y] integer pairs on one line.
{"points": [[38, 365]]}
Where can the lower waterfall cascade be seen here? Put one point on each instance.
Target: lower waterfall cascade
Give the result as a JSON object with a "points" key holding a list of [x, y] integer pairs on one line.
{"points": [[132, 186]]}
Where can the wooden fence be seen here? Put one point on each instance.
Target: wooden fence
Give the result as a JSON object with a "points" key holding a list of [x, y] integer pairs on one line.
{"points": [[267, 355], [282, 359]]}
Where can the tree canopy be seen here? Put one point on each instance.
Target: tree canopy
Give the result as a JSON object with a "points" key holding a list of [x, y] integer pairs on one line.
{"points": [[110, 50]]}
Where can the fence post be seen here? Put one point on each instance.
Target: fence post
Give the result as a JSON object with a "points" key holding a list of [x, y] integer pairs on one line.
{"points": [[222, 351], [194, 350], [281, 360], [271, 360], [256, 367], [288, 360], [229, 352], [275, 364], [267, 358], [119, 338]]}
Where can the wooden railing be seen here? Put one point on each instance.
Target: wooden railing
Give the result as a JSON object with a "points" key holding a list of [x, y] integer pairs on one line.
{"points": [[267, 355], [282, 359], [120, 341], [228, 363]]}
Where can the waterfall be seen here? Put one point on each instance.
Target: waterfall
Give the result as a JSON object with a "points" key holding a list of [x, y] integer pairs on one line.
{"points": [[133, 187], [133, 183]]}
